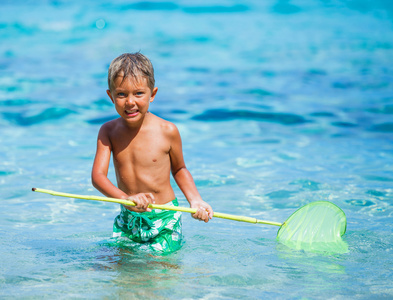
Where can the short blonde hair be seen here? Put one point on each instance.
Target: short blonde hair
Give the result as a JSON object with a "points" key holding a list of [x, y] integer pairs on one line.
{"points": [[134, 65]]}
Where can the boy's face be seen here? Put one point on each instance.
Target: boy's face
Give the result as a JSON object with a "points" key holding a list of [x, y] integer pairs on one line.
{"points": [[131, 98]]}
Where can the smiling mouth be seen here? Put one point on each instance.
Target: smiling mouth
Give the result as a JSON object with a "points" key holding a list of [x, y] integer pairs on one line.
{"points": [[131, 112]]}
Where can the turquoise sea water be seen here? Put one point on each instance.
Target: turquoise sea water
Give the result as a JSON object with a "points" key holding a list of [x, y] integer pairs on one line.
{"points": [[279, 103]]}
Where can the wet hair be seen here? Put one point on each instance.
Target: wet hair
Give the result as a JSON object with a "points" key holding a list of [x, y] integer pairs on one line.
{"points": [[134, 65]]}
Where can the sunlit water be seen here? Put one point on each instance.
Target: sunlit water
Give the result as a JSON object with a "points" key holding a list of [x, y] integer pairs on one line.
{"points": [[279, 103]]}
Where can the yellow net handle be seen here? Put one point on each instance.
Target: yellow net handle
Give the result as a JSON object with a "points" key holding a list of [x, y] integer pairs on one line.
{"points": [[156, 206]]}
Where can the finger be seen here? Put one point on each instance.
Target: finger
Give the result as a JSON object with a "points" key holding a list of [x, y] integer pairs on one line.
{"points": [[150, 199], [206, 217], [147, 208], [203, 211], [150, 196], [210, 212], [134, 201], [145, 204], [203, 214], [137, 201], [196, 215], [146, 200], [141, 203]]}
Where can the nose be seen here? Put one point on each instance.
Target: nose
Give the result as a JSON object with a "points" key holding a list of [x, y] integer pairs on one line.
{"points": [[130, 100]]}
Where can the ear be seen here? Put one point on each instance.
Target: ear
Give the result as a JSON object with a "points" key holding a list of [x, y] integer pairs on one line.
{"points": [[153, 94], [110, 95]]}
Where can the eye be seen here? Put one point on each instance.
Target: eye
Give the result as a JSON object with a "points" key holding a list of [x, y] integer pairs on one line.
{"points": [[140, 93], [121, 94]]}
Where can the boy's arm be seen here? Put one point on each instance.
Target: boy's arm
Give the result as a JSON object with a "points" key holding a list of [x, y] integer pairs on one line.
{"points": [[99, 175], [184, 179]]}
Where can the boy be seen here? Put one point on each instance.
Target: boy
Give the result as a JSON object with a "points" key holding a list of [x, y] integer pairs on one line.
{"points": [[146, 149]]}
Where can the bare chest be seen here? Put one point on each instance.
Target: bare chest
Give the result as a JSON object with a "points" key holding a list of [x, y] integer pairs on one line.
{"points": [[141, 151]]}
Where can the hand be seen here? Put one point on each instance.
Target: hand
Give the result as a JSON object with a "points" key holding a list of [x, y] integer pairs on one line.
{"points": [[142, 201], [204, 211]]}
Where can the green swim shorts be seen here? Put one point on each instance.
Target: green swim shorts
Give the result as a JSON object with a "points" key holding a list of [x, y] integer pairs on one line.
{"points": [[160, 230]]}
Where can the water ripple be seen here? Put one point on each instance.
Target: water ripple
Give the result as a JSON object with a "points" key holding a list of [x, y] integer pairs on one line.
{"points": [[344, 124], [216, 9], [383, 127], [15, 102], [360, 202], [171, 6], [101, 120], [281, 194], [149, 6], [378, 178], [307, 184], [53, 113], [229, 115], [386, 109]]}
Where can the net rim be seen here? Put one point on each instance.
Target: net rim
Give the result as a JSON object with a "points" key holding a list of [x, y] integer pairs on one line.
{"points": [[324, 202]]}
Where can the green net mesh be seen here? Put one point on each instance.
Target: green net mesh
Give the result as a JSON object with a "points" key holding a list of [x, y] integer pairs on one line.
{"points": [[317, 226]]}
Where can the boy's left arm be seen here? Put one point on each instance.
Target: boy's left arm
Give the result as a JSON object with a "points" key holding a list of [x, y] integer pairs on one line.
{"points": [[185, 181]]}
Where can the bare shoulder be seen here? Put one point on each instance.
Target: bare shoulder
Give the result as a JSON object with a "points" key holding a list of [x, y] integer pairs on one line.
{"points": [[167, 128], [108, 132], [109, 126]]}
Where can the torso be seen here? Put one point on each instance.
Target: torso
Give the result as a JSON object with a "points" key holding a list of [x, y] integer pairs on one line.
{"points": [[141, 158]]}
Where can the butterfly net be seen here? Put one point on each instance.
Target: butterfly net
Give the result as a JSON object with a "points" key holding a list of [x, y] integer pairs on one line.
{"points": [[317, 226]]}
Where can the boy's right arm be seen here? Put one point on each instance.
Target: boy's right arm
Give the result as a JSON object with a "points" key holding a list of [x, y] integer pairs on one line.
{"points": [[99, 175]]}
